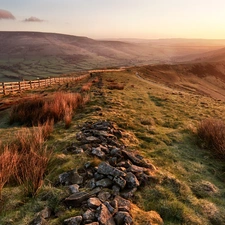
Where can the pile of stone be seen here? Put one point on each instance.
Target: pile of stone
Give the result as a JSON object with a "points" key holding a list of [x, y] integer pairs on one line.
{"points": [[103, 190]]}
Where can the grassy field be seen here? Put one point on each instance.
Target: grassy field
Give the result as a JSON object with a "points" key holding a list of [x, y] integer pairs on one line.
{"points": [[159, 123]]}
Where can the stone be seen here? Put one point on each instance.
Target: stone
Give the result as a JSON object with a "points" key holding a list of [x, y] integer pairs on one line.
{"points": [[137, 161], [74, 188], [132, 180], [125, 164], [104, 196], [112, 161], [45, 213], [94, 223], [122, 218], [89, 216], [76, 199], [115, 152], [104, 216], [75, 178], [123, 204], [106, 169], [92, 139], [106, 182], [78, 151], [91, 183], [98, 152], [64, 178], [93, 203], [116, 189], [128, 193], [38, 220], [110, 208], [73, 221], [136, 169], [98, 176], [121, 182]]}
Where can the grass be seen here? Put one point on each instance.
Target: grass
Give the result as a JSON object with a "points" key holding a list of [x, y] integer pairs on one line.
{"points": [[159, 124]]}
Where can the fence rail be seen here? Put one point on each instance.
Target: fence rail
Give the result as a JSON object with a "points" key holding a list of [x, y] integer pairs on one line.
{"points": [[15, 87]]}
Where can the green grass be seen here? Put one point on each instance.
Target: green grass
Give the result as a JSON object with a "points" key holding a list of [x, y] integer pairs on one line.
{"points": [[160, 124]]}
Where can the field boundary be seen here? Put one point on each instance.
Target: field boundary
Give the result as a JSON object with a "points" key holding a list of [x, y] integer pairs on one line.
{"points": [[19, 86]]}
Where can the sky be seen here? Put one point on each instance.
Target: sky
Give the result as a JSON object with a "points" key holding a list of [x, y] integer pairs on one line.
{"points": [[146, 19]]}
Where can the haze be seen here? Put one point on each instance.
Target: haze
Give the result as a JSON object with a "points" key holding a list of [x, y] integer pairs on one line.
{"points": [[145, 19]]}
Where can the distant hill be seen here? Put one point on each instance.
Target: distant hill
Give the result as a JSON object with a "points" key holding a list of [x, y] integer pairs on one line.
{"points": [[28, 55]]}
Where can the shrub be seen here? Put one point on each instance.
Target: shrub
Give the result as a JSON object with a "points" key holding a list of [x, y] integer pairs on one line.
{"points": [[212, 133], [8, 163], [33, 158], [38, 111]]}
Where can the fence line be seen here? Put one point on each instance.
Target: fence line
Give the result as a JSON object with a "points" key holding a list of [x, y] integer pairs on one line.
{"points": [[15, 87]]}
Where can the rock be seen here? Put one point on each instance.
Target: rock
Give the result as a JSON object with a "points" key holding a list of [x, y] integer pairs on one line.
{"points": [[74, 188], [89, 216], [106, 182], [121, 182], [123, 204], [38, 220], [76, 199], [78, 151], [110, 208], [75, 178], [94, 223], [125, 164], [132, 180], [92, 139], [116, 189], [106, 169], [137, 161], [98, 152], [64, 178], [104, 196], [104, 216], [93, 203], [115, 152], [136, 169], [91, 183], [45, 213], [98, 176], [128, 193], [122, 218], [73, 221], [112, 161]]}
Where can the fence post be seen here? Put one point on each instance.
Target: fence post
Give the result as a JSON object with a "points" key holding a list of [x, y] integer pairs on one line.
{"points": [[19, 86], [3, 88], [50, 81], [30, 84]]}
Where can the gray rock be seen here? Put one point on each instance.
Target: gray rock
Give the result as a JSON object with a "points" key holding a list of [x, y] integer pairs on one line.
{"points": [[94, 223], [132, 180], [64, 178], [98, 176], [104, 196], [92, 139], [128, 193], [45, 213], [78, 151], [137, 169], [74, 188], [38, 220], [98, 152], [73, 221], [106, 169], [75, 178], [113, 161], [76, 199], [115, 152], [89, 216], [91, 183], [106, 182], [122, 218], [121, 182], [137, 161], [104, 216], [93, 203], [110, 208], [123, 204], [116, 189]]}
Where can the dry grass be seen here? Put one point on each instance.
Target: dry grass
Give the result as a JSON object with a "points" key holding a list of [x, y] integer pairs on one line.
{"points": [[8, 163], [33, 158], [212, 133], [39, 110], [115, 86], [86, 87]]}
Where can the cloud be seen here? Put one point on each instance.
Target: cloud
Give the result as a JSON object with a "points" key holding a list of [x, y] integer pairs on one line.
{"points": [[33, 19], [4, 14]]}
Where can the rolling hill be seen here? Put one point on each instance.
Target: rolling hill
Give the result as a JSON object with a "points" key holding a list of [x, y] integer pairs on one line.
{"points": [[29, 55]]}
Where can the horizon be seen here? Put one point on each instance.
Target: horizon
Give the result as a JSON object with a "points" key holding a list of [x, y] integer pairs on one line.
{"points": [[117, 19]]}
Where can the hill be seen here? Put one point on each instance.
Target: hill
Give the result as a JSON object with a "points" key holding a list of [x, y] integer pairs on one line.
{"points": [[154, 120], [28, 55]]}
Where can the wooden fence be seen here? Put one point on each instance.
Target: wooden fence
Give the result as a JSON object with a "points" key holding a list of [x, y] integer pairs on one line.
{"points": [[15, 87]]}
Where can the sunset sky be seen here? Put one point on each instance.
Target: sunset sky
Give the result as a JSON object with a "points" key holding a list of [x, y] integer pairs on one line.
{"points": [[117, 18]]}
